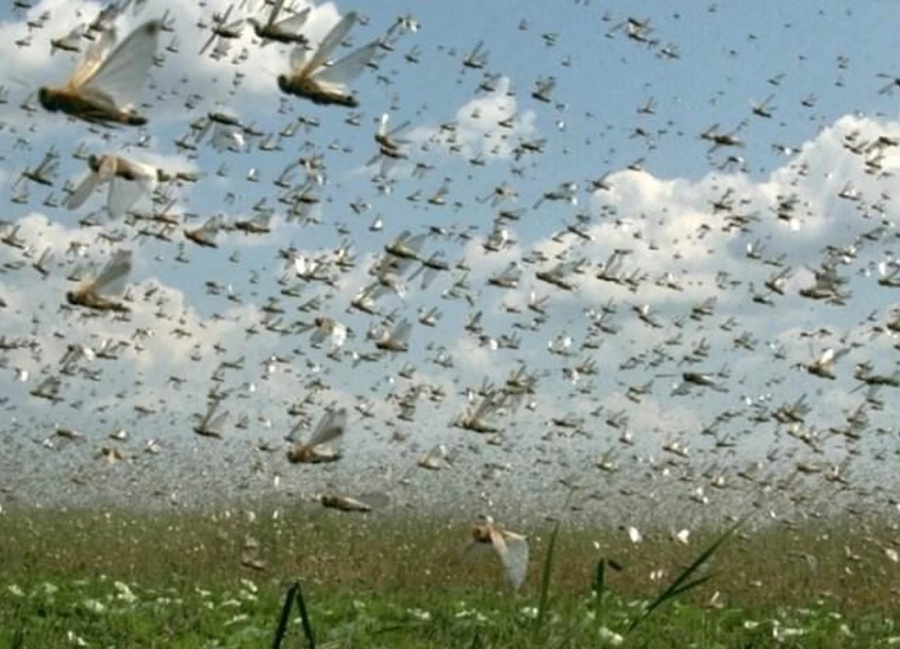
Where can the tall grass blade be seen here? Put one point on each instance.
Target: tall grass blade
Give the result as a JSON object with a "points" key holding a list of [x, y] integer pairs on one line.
{"points": [[601, 590], [544, 597], [688, 586], [681, 583], [599, 586]]}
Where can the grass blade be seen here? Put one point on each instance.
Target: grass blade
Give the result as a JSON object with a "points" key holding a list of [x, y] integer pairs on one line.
{"points": [[601, 590], [544, 597], [681, 584], [599, 587], [688, 586]]}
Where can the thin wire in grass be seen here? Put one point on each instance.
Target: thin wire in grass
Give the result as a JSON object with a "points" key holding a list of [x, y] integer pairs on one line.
{"points": [[681, 583], [294, 593]]}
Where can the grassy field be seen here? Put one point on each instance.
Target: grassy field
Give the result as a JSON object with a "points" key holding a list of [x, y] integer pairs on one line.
{"points": [[179, 579]]}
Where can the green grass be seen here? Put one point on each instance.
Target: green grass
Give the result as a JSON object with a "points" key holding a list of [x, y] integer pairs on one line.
{"points": [[176, 580]]}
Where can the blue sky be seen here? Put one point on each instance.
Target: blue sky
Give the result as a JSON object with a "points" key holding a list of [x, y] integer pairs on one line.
{"points": [[818, 149]]}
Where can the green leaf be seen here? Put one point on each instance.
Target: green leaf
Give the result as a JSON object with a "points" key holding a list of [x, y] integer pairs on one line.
{"points": [[544, 598], [681, 584]]}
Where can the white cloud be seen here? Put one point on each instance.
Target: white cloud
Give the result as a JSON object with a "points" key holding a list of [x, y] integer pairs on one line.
{"points": [[489, 126]]}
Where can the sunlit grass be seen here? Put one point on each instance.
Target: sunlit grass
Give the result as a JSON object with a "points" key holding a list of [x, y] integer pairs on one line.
{"points": [[177, 579]]}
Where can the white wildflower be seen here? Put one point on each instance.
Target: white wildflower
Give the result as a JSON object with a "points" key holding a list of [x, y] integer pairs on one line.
{"points": [[419, 614], [611, 638], [125, 593], [95, 606]]}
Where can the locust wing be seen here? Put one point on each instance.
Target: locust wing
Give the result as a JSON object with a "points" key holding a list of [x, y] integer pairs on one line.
{"points": [[104, 174], [119, 77], [111, 279], [330, 429]]}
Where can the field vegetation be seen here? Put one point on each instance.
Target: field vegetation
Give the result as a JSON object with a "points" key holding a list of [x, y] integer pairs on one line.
{"points": [[217, 579]]}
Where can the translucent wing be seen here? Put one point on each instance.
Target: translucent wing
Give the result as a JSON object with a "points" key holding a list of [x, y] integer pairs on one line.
{"points": [[513, 274], [212, 423], [294, 435], [293, 24], [474, 551], [297, 60], [84, 190], [111, 279], [49, 167], [515, 559], [73, 38], [208, 231], [122, 75], [484, 409], [416, 242], [331, 427], [105, 172], [401, 332], [394, 132], [215, 424], [332, 39], [349, 67], [401, 238], [93, 57], [276, 9], [318, 336], [435, 458], [388, 137], [375, 499], [123, 194]]}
